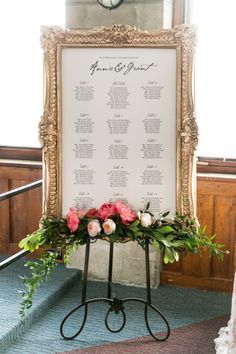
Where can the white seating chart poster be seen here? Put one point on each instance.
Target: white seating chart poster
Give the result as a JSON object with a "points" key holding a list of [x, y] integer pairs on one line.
{"points": [[118, 120]]}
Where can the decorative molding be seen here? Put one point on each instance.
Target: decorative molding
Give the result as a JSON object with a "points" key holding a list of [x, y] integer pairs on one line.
{"points": [[116, 35], [182, 38]]}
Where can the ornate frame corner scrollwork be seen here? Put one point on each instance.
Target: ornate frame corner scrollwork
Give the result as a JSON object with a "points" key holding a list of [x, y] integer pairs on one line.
{"points": [[181, 38]]}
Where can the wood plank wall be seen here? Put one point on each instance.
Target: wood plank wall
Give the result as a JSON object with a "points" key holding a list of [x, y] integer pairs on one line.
{"points": [[19, 215], [216, 209]]}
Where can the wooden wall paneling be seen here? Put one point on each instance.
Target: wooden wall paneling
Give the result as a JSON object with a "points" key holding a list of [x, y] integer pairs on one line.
{"points": [[194, 265], [4, 217], [173, 268], [224, 192], [216, 208], [22, 211], [205, 215], [14, 153], [18, 213], [170, 272], [225, 216], [216, 186], [197, 282], [34, 207], [18, 171], [205, 207]]}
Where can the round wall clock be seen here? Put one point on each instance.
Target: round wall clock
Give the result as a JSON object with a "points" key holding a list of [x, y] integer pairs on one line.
{"points": [[110, 4]]}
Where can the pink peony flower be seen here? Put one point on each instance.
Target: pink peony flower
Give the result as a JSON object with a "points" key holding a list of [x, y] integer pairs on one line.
{"points": [[109, 226], [91, 213], [127, 215], [72, 220], [106, 210], [94, 228], [80, 213]]}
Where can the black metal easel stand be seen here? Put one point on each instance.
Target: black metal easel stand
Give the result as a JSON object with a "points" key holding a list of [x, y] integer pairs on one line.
{"points": [[116, 305]]}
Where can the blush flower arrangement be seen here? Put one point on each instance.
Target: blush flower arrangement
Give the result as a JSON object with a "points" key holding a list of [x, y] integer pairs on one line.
{"points": [[113, 222]]}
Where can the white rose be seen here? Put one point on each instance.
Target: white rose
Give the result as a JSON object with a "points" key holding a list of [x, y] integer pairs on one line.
{"points": [[145, 219], [109, 226], [93, 228]]}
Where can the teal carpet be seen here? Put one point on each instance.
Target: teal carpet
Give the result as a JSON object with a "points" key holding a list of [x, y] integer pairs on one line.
{"points": [[11, 325], [181, 306]]}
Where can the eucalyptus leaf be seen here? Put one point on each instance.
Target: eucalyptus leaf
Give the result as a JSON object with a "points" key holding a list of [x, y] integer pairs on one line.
{"points": [[165, 229], [133, 224], [166, 242], [178, 244]]}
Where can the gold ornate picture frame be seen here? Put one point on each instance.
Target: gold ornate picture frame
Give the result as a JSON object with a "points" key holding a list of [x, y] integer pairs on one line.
{"points": [[111, 43]]}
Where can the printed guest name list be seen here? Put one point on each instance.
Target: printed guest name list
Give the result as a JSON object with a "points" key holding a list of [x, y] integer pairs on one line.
{"points": [[119, 127]]}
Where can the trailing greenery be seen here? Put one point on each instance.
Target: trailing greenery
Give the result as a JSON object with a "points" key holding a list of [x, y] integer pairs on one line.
{"points": [[60, 236], [40, 271]]}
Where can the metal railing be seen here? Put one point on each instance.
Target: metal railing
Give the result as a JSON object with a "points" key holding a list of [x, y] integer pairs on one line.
{"points": [[13, 259], [8, 195], [20, 190]]}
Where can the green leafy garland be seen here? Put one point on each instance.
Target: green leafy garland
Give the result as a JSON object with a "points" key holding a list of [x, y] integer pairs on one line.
{"points": [[180, 235]]}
